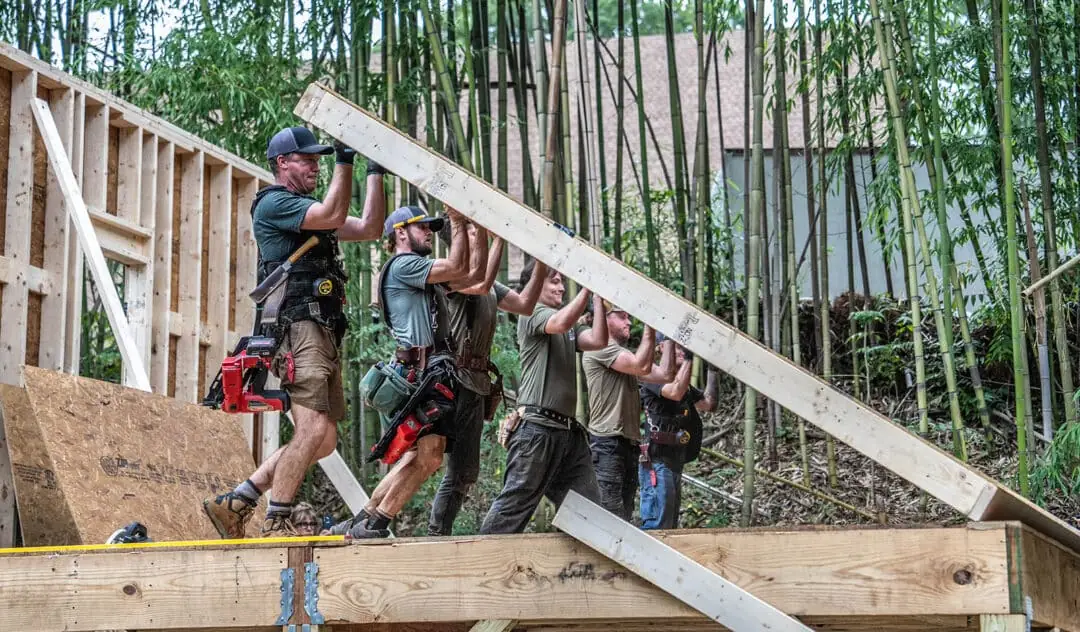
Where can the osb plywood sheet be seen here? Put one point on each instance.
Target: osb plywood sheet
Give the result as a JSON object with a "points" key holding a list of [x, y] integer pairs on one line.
{"points": [[122, 455], [43, 511]]}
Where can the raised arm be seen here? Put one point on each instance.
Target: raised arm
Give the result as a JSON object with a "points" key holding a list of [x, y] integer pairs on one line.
{"points": [[639, 364], [596, 338], [478, 254], [524, 302], [331, 213], [456, 264], [563, 320], [369, 226], [676, 390], [712, 393], [665, 371]]}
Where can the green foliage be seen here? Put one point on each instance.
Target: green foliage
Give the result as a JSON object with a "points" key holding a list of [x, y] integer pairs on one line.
{"points": [[1058, 469]]}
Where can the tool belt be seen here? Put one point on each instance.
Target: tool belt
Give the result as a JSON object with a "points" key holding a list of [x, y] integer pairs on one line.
{"points": [[553, 415], [678, 438], [472, 362], [431, 398], [384, 389], [419, 357]]}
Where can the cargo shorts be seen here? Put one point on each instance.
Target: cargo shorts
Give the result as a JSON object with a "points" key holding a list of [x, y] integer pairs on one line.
{"points": [[315, 381]]}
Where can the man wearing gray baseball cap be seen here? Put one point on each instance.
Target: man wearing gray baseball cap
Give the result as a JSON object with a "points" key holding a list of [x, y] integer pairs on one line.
{"points": [[311, 322]]}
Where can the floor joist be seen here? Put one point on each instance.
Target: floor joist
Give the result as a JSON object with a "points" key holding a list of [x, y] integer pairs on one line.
{"points": [[797, 389], [867, 578]]}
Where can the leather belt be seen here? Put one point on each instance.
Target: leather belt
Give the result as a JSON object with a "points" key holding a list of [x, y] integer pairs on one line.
{"points": [[552, 415], [413, 357]]}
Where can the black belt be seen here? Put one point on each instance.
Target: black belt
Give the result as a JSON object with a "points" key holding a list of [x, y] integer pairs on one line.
{"points": [[552, 415]]}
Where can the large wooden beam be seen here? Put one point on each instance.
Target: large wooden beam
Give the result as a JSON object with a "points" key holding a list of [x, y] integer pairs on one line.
{"points": [[163, 240], [868, 574], [669, 570], [62, 103], [76, 207], [800, 391]]}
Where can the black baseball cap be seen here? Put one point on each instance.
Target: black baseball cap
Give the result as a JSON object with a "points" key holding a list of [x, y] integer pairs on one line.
{"points": [[295, 140], [410, 215]]}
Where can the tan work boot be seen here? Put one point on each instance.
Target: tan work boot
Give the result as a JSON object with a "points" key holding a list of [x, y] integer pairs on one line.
{"points": [[278, 527], [229, 514]]}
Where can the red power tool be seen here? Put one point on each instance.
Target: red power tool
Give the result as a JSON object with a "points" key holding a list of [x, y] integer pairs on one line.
{"points": [[240, 384]]}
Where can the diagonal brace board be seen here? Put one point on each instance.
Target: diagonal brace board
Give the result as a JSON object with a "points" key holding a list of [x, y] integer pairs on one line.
{"points": [[668, 569], [80, 217], [796, 389]]}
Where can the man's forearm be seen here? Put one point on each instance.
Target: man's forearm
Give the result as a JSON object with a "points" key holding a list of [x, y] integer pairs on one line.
{"points": [[644, 354], [339, 192], [677, 389], [459, 247], [478, 254]]}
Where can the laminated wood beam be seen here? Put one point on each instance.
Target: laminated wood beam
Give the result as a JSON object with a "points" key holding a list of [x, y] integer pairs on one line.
{"points": [[88, 240], [20, 197], [800, 391], [163, 240], [53, 303], [667, 569]]}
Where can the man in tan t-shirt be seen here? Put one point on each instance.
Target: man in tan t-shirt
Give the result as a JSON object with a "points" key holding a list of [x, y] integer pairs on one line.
{"points": [[612, 375]]}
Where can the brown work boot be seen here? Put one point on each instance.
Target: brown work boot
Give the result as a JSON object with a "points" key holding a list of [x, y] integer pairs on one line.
{"points": [[229, 514], [278, 527]]}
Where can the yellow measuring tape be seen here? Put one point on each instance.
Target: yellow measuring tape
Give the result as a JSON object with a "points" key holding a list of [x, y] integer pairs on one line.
{"points": [[183, 544]]}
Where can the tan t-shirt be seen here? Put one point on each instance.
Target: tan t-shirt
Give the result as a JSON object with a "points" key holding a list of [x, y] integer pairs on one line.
{"points": [[614, 402]]}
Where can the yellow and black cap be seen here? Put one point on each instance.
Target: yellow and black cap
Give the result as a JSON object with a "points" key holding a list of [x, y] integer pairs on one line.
{"points": [[410, 215]]}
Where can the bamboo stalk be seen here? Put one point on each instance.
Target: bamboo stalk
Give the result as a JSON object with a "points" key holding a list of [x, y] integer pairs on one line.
{"points": [[651, 245], [446, 87], [1040, 321], [547, 199]]}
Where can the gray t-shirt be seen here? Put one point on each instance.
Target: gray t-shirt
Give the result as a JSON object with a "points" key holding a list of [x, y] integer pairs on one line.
{"points": [[417, 311], [475, 341], [548, 363], [614, 402], [276, 223]]}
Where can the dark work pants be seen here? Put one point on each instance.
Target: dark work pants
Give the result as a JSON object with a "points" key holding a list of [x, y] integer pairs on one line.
{"points": [[463, 464], [615, 460], [541, 461]]}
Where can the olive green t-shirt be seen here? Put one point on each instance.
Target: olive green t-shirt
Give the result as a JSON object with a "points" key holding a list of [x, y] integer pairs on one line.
{"points": [[417, 309], [547, 367], [614, 402], [476, 340], [276, 223]]}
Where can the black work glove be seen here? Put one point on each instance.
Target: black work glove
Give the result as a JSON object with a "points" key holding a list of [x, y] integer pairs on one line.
{"points": [[345, 155], [375, 169]]}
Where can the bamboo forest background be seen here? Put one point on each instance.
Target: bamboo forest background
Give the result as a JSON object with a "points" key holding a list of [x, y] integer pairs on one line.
{"points": [[731, 151]]}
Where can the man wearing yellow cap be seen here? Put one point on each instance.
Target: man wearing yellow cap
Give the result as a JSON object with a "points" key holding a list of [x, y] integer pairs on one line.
{"points": [[612, 375]]}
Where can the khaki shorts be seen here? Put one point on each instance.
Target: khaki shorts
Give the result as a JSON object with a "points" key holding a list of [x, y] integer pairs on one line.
{"points": [[316, 380]]}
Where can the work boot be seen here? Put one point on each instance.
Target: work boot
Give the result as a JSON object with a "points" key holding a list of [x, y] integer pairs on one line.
{"points": [[278, 527], [229, 513], [361, 531], [343, 527]]}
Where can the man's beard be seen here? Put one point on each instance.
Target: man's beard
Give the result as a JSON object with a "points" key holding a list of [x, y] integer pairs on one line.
{"points": [[419, 247]]}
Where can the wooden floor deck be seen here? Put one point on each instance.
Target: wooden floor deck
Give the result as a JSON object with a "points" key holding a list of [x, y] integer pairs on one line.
{"points": [[975, 577]]}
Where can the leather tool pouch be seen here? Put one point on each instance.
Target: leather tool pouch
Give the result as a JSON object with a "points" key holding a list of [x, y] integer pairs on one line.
{"points": [[509, 424], [495, 396]]}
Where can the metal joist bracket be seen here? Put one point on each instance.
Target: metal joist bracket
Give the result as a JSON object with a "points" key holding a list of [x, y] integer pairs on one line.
{"points": [[311, 593], [288, 580]]}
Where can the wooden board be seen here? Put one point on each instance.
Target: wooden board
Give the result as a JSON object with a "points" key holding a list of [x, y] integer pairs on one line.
{"points": [[188, 281], [772, 375], [821, 572], [163, 240], [44, 517], [53, 321], [669, 570], [1050, 575], [146, 589], [76, 207], [121, 455]]}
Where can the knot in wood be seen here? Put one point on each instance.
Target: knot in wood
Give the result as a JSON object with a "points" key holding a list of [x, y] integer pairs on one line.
{"points": [[130, 589], [963, 577]]}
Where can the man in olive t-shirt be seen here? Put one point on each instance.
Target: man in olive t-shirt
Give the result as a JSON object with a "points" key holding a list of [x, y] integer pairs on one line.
{"points": [[612, 375], [548, 454], [473, 318]]}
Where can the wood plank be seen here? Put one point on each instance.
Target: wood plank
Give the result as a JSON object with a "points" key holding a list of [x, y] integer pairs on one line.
{"points": [[124, 228], [810, 572], [147, 589], [246, 257], [671, 571], [337, 470], [73, 281], [51, 356], [1050, 575], [723, 346], [140, 290], [20, 196], [88, 240], [119, 246], [163, 238], [128, 198], [55, 78], [33, 279], [190, 239], [494, 625], [217, 291]]}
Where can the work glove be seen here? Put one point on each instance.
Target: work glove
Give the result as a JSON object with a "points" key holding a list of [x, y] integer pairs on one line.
{"points": [[375, 169], [345, 155]]}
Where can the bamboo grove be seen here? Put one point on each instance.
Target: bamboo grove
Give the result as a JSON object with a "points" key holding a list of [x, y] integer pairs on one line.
{"points": [[864, 185]]}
